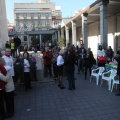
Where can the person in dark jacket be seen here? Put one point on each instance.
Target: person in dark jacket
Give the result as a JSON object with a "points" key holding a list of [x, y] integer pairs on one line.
{"points": [[26, 68], [81, 55], [18, 69], [7, 45], [88, 62], [117, 57], [109, 54], [17, 45], [33, 68], [70, 67]]}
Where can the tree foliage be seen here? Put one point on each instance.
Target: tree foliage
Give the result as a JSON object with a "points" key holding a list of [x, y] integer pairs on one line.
{"points": [[62, 42]]}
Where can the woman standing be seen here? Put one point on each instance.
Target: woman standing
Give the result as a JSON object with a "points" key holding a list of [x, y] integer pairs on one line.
{"points": [[60, 63], [101, 57], [26, 68], [4, 76], [9, 87], [88, 62]]}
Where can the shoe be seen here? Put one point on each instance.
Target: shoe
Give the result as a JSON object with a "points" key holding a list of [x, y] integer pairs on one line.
{"points": [[10, 115], [62, 87], [74, 78], [69, 88], [117, 94], [2, 118], [30, 87]]}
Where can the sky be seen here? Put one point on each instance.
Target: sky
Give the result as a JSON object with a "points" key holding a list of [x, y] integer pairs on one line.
{"points": [[68, 7]]}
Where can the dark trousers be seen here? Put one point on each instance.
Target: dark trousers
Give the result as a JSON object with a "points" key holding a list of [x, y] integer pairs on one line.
{"points": [[80, 64], [27, 80], [9, 100], [18, 76], [2, 107], [13, 53], [47, 68], [118, 88], [33, 75], [86, 69], [101, 64], [55, 70], [71, 80]]}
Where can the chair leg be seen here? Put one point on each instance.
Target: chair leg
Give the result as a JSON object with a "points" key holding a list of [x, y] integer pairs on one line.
{"points": [[112, 87], [101, 82], [90, 78], [109, 85], [97, 80]]}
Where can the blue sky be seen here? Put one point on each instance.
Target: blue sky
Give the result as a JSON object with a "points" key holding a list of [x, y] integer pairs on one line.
{"points": [[68, 6]]}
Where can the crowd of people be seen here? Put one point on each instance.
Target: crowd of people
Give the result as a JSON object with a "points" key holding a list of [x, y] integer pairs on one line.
{"points": [[57, 63], [23, 68]]}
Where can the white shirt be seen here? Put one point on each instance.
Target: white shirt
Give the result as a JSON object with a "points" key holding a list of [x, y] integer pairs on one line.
{"points": [[9, 62], [26, 66], [60, 60], [100, 53]]}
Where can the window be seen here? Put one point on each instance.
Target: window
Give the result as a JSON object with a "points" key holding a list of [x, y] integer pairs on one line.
{"points": [[17, 23], [25, 16], [25, 23], [17, 16], [39, 23], [39, 16], [47, 15], [32, 23], [47, 23], [32, 16]]}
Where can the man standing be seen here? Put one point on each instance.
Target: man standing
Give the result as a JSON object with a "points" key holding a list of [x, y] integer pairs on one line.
{"points": [[7, 45], [70, 67], [12, 47], [17, 42], [47, 60], [81, 57]]}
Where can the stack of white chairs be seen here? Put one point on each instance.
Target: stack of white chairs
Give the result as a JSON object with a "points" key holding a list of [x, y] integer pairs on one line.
{"points": [[108, 76], [97, 73]]}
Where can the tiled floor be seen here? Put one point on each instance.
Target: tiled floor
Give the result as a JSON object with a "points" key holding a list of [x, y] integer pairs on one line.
{"points": [[47, 102]]}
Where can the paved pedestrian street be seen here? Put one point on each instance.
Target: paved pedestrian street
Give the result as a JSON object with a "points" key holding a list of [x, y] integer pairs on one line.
{"points": [[46, 101]]}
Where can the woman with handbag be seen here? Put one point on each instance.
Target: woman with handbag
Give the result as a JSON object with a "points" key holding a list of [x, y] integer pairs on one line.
{"points": [[101, 57]]}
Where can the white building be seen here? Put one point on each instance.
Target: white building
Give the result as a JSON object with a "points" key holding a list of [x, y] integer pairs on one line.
{"points": [[42, 15]]}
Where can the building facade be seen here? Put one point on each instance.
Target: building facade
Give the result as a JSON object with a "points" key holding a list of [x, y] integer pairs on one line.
{"points": [[3, 24], [43, 15]]}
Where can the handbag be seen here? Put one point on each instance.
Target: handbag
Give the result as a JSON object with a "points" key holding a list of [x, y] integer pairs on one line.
{"points": [[102, 59]]}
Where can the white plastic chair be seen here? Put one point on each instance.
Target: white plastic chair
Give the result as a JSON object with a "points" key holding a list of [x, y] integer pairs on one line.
{"points": [[97, 74], [115, 82], [108, 76]]}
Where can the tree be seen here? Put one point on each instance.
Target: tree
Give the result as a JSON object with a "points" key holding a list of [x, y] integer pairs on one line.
{"points": [[62, 42]]}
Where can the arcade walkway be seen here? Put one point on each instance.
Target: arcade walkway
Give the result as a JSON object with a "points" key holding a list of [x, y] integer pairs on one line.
{"points": [[47, 102]]}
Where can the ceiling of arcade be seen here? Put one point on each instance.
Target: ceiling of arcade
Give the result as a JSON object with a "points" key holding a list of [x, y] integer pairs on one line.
{"points": [[94, 13]]}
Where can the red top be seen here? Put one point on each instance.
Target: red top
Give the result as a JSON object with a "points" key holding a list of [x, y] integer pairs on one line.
{"points": [[4, 72], [47, 56]]}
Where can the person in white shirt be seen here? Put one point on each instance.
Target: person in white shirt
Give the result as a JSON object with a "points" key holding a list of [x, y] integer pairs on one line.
{"points": [[26, 68], [60, 63]]}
